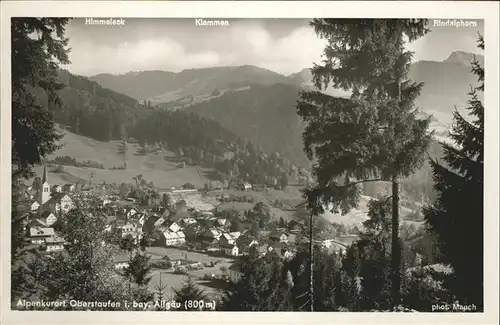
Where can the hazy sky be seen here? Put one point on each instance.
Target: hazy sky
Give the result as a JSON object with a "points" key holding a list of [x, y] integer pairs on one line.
{"points": [[282, 45]]}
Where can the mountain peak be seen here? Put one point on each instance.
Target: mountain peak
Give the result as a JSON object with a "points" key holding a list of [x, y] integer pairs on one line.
{"points": [[463, 57]]}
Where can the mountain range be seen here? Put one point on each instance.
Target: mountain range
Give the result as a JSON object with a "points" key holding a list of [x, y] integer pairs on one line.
{"points": [[259, 104]]}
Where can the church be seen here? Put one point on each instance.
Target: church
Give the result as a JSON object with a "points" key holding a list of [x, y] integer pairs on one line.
{"points": [[53, 201]]}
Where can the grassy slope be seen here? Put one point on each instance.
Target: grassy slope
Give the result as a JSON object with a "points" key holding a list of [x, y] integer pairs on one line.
{"points": [[153, 167]]}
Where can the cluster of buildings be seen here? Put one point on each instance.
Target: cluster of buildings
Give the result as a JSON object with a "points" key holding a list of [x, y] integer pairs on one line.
{"points": [[47, 204], [193, 226]]}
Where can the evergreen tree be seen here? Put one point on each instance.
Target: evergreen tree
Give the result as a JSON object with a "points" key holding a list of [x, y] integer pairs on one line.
{"points": [[190, 292], [142, 149], [260, 285], [122, 150], [282, 223], [236, 225], [458, 211], [39, 45], [166, 201], [374, 135], [139, 269]]}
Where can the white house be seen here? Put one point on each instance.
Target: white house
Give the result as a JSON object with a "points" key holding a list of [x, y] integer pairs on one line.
{"points": [[229, 249], [174, 227], [56, 189], [34, 206], [48, 218], [54, 244], [61, 203], [133, 230], [246, 186], [39, 234], [174, 238], [130, 212]]}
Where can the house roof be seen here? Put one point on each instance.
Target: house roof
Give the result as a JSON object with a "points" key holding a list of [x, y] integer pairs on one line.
{"points": [[173, 235], [45, 214], [39, 231], [244, 240], [188, 262], [54, 240], [263, 248], [278, 234], [159, 221], [39, 223], [227, 245], [215, 232], [227, 236], [235, 234]]}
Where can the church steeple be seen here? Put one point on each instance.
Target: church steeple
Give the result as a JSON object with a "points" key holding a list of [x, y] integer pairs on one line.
{"points": [[45, 193], [44, 176]]}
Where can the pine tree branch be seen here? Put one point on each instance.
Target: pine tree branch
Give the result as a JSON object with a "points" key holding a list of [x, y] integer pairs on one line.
{"points": [[304, 294], [304, 304]]}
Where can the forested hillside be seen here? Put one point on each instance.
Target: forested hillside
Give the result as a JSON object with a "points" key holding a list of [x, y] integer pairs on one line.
{"points": [[93, 111], [263, 114], [201, 141]]}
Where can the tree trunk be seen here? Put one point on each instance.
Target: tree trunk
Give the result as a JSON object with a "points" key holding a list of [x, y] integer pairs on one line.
{"points": [[396, 254], [311, 264]]}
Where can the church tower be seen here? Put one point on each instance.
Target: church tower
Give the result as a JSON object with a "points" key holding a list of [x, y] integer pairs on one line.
{"points": [[45, 194]]}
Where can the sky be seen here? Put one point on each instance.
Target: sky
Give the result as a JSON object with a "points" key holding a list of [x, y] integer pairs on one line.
{"points": [[173, 44]]}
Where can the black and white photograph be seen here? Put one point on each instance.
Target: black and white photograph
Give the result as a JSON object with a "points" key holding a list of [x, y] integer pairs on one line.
{"points": [[232, 164]]}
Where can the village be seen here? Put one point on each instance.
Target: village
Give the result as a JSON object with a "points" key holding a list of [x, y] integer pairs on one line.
{"points": [[191, 236]]}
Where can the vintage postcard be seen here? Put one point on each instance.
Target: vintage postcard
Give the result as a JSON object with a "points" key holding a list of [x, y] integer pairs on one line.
{"points": [[186, 162]]}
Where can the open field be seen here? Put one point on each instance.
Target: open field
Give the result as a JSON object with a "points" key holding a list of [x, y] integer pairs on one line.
{"points": [[156, 168], [357, 216], [176, 281]]}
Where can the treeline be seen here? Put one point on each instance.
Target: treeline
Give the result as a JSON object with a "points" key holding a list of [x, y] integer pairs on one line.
{"points": [[71, 161], [200, 141], [355, 281]]}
